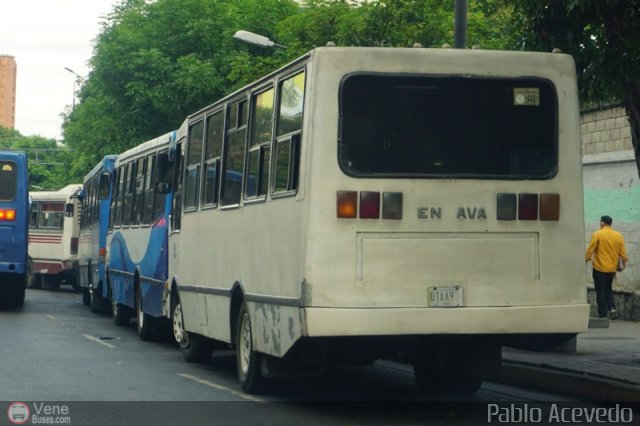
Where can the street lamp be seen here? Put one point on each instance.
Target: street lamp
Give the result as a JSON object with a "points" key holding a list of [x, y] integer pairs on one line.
{"points": [[77, 79], [257, 39]]}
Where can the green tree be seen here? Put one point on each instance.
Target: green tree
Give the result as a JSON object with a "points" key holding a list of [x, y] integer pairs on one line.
{"points": [[47, 161], [394, 23], [154, 63], [604, 38]]}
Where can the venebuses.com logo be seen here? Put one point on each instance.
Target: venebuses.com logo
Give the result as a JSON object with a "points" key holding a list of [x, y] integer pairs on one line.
{"points": [[18, 413]]}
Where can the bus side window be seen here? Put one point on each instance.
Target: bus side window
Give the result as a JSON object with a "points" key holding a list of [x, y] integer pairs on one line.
{"points": [[286, 154], [149, 189], [286, 168], [233, 163], [213, 153], [138, 203], [33, 214], [127, 208], [194, 157], [103, 185], [258, 161], [176, 211]]}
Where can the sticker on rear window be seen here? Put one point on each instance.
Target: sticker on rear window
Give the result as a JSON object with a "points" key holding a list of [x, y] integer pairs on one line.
{"points": [[525, 96]]}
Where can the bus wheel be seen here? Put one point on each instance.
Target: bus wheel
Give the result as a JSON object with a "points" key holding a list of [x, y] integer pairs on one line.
{"points": [[16, 289], [35, 281], [96, 301], [86, 297], [120, 314], [144, 321], [194, 348], [247, 360], [31, 276]]}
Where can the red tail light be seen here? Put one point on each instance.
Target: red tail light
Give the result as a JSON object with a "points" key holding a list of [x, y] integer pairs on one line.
{"points": [[102, 252], [528, 206], [549, 206], [7, 214], [369, 205]]}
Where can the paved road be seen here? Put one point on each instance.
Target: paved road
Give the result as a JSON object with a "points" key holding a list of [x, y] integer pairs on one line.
{"points": [[55, 349]]}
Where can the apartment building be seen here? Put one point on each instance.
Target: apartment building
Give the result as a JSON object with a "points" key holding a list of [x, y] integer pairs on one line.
{"points": [[8, 71]]}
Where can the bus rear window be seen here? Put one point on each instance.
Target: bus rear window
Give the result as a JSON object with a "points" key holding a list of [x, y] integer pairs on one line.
{"points": [[448, 126], [8, 181]]}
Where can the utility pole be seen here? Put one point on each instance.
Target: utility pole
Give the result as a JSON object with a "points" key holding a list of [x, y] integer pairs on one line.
{"points": [[460, 25]]}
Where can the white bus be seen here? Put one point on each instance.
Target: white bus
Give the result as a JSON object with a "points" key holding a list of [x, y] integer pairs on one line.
{"points": [[368, 203], [54, 228]]}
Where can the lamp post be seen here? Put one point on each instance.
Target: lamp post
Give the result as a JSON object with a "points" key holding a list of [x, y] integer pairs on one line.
{"points": [[256, 39], [75, 81]]}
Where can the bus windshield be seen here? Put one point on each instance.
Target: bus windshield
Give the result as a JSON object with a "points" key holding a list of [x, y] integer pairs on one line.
{"points": [[8, 181], [448, 126]]}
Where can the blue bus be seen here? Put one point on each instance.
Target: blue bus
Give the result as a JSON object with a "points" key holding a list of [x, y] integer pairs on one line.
{"points": [[137, 241], [14, 228], [94, 224]]}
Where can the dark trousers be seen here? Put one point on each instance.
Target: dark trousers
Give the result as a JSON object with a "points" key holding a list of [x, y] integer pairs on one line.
{"points": [[604, 294]]}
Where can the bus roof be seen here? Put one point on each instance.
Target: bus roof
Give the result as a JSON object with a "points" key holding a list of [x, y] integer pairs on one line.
{"points": [[61, 194], [160, 141], [107, 159]]}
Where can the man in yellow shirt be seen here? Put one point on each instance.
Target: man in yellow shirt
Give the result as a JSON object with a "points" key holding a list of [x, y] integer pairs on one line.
{"points": [[606, 247]]}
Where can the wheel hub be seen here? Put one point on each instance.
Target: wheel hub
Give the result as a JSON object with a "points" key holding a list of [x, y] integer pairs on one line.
{"points": [[178, 329]]}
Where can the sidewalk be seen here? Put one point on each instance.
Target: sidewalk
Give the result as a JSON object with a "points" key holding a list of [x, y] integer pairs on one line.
{"points": [[604, 367]]}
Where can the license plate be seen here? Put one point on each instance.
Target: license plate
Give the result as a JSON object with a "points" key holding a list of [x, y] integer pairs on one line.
{"points": [[443, 297]]}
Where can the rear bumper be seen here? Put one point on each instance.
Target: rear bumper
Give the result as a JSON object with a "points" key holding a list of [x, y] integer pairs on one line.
{"points": [[13, 268], [318, 322], [53, 267]]}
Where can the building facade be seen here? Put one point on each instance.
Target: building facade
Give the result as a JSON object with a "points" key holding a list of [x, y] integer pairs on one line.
{"points": [[612, 187], [8, 73]]}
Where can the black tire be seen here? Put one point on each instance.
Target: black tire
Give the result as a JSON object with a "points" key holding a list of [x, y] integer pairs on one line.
{"points": [[30, 274], [194, 348], [86, 297], [19, 291], [75, 284], [247, 360], [96, 301], [35, 281], [50, 282], [144, 321], [120, 314]]}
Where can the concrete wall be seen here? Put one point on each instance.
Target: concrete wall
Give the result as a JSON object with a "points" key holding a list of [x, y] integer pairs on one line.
{"points": [[612, 187]]}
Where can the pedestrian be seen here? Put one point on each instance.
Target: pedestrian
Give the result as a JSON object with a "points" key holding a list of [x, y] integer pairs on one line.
{"points": [[607, 249]]}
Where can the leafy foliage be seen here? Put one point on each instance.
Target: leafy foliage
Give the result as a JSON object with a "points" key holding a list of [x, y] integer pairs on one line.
{"points": [[604, 38], [47, 162], [154, 63]]}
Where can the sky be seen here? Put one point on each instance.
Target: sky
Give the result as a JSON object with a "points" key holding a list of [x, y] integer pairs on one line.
{"points": [[44, 37]]}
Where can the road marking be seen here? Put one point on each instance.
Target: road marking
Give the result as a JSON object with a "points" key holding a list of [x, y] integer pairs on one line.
{"points": [[95, 339], [51, 317], [219, 387]]}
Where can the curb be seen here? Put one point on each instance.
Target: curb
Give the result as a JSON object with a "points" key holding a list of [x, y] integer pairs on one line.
{"points": [[581, 385]]}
